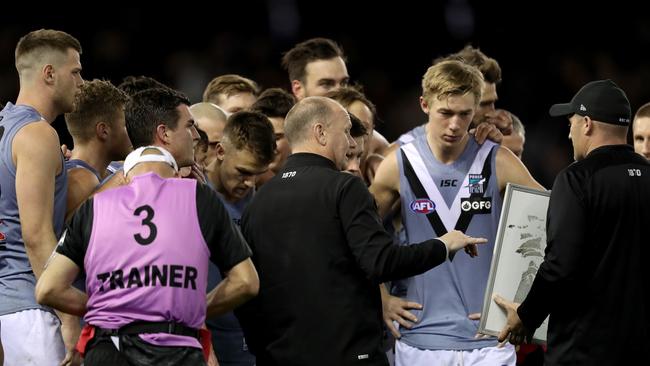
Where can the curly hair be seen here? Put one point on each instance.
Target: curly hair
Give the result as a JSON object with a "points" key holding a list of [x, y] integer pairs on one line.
{"points": [[97, 101]]}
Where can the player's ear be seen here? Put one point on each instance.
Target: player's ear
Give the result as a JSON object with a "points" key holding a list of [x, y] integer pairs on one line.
{"points": [[424, 105]]}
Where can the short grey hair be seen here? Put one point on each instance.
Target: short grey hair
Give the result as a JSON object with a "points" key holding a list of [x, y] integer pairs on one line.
{"points": [[304, 115]]}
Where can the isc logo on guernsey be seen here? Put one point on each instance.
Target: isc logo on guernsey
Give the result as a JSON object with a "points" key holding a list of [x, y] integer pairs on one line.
{"points": [[423, 205]]}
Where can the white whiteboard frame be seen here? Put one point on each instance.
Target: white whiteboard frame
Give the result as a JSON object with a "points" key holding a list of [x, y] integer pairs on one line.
{"points": [[520, 204]]}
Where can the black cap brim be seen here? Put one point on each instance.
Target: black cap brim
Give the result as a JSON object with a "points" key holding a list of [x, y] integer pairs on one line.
{"points": [[563, 109]]}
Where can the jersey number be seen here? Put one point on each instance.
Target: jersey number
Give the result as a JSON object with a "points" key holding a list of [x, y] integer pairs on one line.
{"points": [[153, 230]]}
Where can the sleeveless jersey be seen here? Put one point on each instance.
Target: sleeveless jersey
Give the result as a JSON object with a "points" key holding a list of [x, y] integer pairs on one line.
{"points": [[17, 279], [436, 198], [411, 135], [77, 163]]}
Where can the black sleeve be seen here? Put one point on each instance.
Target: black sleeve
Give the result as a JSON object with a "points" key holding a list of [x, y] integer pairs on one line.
{"points": [[74, 241], [373, 247], [227, 246], [565, 249]]}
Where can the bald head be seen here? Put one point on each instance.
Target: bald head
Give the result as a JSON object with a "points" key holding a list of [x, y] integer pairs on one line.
{"points": [[212, 120], [615, 133], [207, 113], [320, 125], [305, 114]]}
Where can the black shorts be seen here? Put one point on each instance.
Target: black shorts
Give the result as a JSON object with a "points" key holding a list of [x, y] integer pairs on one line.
{"points": [[135, 352]]}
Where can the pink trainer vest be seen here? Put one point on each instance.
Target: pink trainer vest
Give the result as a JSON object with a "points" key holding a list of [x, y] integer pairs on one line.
{"points": [[147, 259]]}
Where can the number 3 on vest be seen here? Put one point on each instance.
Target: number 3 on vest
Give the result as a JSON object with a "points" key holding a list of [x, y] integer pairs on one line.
{"points": [[153, 230]]}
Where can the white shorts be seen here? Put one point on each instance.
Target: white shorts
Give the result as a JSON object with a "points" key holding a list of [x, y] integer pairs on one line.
{"points": [[406, 355], [31, 337]]}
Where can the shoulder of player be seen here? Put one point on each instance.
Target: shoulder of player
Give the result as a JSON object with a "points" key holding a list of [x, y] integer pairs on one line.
{"points": [[35, 134], [38, 142], [378, 143], [387, 169], [506, 159], [82, 176]]}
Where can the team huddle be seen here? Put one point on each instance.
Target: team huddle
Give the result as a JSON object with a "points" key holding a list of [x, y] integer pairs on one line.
{"points": [[280, 228]]}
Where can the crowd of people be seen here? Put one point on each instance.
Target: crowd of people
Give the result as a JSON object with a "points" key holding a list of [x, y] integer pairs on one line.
{"points": [[279, 227]]}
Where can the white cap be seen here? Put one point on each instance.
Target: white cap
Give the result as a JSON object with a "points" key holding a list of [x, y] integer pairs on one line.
{"points": [[136, 157]]}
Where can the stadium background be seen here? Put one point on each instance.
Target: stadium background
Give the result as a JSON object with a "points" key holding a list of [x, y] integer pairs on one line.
{"points": [[546, 50]]}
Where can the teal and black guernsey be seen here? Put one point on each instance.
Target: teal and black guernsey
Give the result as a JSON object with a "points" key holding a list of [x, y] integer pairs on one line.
{"points": [[437, 198]]}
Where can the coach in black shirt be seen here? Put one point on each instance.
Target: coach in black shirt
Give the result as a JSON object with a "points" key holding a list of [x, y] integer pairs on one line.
{"points": [[321, 252], [592, 279]]}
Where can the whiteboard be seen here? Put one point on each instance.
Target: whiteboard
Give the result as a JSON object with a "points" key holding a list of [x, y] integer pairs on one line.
{"points": [[518, 252]]}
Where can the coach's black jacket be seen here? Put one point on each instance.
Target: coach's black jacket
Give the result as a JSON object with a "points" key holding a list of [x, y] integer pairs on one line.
{"points": [[593, 279], [321, 253]]}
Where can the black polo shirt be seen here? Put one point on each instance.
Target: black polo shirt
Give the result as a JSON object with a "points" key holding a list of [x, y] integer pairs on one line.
{"points": [[321, 252], [592, 279]]}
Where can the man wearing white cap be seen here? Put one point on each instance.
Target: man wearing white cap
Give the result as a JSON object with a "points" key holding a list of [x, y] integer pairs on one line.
{"points": [[144, 248]]}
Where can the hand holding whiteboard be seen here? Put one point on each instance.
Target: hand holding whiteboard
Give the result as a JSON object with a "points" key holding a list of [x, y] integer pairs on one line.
{"points": [[518, 252]]}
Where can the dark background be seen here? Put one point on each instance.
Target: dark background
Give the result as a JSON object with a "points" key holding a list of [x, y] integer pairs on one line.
{"points": [[547, 51]]}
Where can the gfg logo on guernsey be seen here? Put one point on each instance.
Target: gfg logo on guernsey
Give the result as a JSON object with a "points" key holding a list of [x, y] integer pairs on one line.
{"points": [[423, 206], [476, 205]]}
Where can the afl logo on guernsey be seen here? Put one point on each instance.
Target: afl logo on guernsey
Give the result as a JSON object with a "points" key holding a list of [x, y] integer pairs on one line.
{"points": [[423, 206], [2, 235]]}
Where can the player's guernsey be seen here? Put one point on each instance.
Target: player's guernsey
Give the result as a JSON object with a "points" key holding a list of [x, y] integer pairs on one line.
{"points": [[17, 279], [411, 135], [227, 335], [437, 198], [77, 163]]}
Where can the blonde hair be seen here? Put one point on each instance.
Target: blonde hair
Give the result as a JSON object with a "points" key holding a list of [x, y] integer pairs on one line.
{"points": [[452, 78], [228, 85]]}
